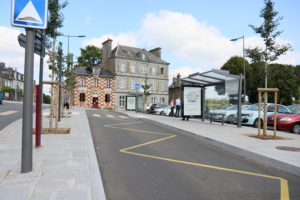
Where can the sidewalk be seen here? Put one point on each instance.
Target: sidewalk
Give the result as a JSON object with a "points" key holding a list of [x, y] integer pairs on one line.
{"points": [[237, 140], [65, 167]]}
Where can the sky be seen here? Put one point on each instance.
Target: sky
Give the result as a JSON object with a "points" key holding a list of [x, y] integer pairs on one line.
{"points": [[194, 34]]}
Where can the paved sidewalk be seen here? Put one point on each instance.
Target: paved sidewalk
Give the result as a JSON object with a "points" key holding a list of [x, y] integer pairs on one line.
{"points": [[237, 140], [65, 167]]}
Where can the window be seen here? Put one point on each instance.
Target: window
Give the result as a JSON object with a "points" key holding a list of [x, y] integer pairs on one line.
{"points": [[162, 86], [82, 81], [153, 70], [161, 71], [107, 98], [162, 100], [121, 83], [143, 56], [122, 101], [122, 67], [153, 99], [132, 68], [107, 83], [153, 85], [95, 82], [143, 69], [82, 97], [131, 83]]}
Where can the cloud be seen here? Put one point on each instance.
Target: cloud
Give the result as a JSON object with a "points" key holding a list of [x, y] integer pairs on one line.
{"points": [[127, 39], [13, 55]]}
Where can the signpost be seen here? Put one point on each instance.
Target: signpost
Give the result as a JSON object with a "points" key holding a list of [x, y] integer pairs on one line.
{"points": [[30, 14]]}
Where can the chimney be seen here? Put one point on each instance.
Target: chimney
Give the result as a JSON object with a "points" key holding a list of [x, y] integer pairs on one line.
{"points": [[106, 51], [178, 79], [156, 51]]}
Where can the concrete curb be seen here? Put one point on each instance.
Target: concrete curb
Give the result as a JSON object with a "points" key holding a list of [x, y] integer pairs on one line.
{"points": [[96, 180], [266, 161]]}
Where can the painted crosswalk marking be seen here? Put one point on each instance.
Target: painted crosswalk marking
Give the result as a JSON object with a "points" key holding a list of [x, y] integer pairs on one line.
{"points": [[110, 116], [96, 115], [122, 116], [8, 112]]}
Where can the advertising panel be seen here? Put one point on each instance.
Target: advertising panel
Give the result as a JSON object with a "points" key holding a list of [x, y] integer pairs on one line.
{"points": [[191, 101], [130, 103]]}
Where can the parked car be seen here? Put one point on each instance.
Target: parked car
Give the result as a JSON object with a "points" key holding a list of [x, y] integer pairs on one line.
{"points": [[229, 113], [295, 108], [1, 97], [160, 109], [249, 116], [165, 110], [286, 122]]}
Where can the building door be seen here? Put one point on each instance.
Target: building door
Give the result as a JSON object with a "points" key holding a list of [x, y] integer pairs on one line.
{"points": [[95, 102]]}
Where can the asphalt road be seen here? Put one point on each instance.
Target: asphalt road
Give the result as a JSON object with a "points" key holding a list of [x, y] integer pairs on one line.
{"points": [[10, 112], [140, 159]]}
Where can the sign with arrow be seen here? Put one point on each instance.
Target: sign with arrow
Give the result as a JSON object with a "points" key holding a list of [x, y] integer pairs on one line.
{"points": [[29, 13]]}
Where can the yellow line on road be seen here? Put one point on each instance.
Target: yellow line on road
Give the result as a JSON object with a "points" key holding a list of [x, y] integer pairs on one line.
{"points": [[284, 189]]}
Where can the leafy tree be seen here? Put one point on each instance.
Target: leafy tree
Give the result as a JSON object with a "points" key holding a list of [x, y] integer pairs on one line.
{"points": [[90, 56], [146, 89], [55, 21], [268, 32], [235, 65], [297, 73], [283, 77], [46, 99]]}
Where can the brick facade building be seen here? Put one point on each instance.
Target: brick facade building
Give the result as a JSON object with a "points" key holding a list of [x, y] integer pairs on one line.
{"points": [[94, 88]]}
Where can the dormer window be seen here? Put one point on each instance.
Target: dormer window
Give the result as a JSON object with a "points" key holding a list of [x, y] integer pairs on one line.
{"points": [[96, 70]]}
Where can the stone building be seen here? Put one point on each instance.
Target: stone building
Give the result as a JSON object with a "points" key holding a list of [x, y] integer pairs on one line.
{"points": [[95, 88], [131, 66], [10, 78]]}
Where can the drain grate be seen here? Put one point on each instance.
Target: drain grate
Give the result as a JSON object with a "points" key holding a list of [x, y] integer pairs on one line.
{"points": [[285, 148]]}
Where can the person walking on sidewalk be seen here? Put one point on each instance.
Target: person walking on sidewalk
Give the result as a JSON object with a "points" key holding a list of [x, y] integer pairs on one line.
{"points": [[171, 114], [66, 101], [178, 106]]}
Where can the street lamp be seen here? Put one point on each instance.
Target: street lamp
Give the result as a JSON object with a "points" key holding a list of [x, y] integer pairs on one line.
{"points": [[235, 39], [68, 36]]}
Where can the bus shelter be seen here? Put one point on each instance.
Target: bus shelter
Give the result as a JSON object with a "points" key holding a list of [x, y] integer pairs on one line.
{"points": [[193, 91]]}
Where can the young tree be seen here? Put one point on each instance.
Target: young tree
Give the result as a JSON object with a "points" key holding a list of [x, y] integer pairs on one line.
{"points": [[146, 88], [90, 56], [268, 32]]}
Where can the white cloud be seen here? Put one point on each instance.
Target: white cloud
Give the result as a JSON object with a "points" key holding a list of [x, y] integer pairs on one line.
{"points": [[13, 55], [183, 71], [128, 39]]}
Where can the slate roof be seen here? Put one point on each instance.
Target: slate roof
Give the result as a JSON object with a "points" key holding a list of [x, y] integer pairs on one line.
{"points": [[132, 53], [85, 71]]}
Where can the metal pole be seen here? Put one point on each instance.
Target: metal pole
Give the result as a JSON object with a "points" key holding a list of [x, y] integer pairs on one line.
{"points": [[59, 90], [239, 124], [26, 164], [244, 69], [37, 117], [41, 88]]}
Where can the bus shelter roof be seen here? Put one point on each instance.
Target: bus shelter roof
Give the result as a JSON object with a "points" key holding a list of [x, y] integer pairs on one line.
{"points": [[210, 78]]}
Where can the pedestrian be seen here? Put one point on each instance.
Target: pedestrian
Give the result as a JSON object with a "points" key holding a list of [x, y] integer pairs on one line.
{"points": [[185, 117], [178, 106], [172, 108], [66, 101]]}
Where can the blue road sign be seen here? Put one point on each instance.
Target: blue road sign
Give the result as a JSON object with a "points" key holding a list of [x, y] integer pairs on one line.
{"points": [[137, 86], [29, 13]]}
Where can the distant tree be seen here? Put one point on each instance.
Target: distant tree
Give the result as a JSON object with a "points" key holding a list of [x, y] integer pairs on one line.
{"points": [[235, 65], [268, 32], [90, 56], [284, 78], [46, 99]]}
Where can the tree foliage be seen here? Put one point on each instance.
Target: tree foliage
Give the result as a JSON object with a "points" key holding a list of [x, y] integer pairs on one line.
{"points": [[90, 56], [268, 32]]}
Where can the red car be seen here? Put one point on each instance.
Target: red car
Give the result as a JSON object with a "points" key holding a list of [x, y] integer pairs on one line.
{"points": [[286, 122]]}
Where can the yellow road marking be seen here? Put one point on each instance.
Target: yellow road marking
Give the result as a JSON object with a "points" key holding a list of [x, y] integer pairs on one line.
{"points": [[284, 189]]}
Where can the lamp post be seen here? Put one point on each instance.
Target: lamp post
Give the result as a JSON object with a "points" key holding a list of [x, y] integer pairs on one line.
{"points": [[235, 39], [68, 36]]}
